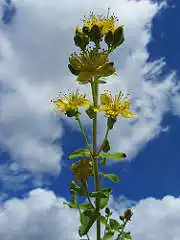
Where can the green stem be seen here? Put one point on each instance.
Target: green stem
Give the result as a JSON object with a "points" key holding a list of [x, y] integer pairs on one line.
{"points": [[94, 86], [83, 132]]}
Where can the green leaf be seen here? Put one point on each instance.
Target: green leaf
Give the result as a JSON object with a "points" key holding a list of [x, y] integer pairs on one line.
{"points": [[114, 224], [87, 222], [82, 152], [103, 162], [127, 235], [70, 205], [117, 156], [108, 235], [103, 220], [104, 201], [85, 206], [113, 177], [100, 194]]}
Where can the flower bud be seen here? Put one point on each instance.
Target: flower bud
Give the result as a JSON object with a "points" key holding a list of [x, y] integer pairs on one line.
{"points": [[86, 30], [106, 146], [95, 34], [80, 41], [118, 36], [90, 112], [73, 71], [122, 218], [128, 214], [107, 211], [108, 38]]}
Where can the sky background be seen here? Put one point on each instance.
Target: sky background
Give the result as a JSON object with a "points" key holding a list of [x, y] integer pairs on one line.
{"points": [[36, 40]]}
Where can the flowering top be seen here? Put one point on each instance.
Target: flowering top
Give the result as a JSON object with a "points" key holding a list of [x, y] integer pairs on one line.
{"points": [[105, 24], [91, 63], [115, 107], [71, 102]]}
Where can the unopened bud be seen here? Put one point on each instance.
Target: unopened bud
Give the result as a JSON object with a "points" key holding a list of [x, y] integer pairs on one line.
{"points": [[128, 214], [108, 38], [86, 30], [118, 36], [95, 34], [73, 71]]}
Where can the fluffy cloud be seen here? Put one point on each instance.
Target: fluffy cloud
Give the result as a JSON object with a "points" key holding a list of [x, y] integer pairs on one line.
{"points": [[42, 215], [34, 55]]}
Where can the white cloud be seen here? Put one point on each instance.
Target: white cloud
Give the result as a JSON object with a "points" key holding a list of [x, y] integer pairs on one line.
{"points": [[34, 57], [42, 215]]}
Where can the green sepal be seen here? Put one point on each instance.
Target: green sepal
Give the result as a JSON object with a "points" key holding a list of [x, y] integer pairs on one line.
{"points": [[73, 71], [111, 176], [81, 152], [71, 113], [110, 122], [106, 146]]}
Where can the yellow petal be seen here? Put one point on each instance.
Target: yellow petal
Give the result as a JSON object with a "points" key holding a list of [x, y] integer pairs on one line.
{"points": [[58, 111], [127, 114], [105, 99]]}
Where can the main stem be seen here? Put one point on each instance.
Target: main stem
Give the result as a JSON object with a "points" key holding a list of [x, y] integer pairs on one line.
{"points": [[94, 86]]}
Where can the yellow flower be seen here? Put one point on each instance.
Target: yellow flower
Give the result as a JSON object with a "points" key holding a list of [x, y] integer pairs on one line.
{"points": [[71, 102], [104, 23], [114, 107], [91, 63]]}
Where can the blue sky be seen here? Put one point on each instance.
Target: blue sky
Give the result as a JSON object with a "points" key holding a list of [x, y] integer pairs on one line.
{"points": [[36, 41]]}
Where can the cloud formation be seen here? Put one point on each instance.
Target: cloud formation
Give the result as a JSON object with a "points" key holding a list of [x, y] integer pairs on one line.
{"points": [[34, 55], [42, 215]]}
